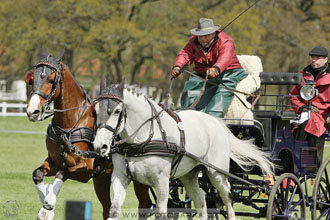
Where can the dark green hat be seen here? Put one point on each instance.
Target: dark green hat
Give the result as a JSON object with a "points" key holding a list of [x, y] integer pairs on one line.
{"points": [[319, 51]]}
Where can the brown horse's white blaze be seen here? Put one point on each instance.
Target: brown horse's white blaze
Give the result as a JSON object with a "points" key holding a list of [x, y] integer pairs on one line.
{"points": [[33, 109]]}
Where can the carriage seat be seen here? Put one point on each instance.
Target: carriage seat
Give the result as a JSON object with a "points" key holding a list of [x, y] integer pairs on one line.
{"points": [[280, 78], [247, 132], [239, 110]]}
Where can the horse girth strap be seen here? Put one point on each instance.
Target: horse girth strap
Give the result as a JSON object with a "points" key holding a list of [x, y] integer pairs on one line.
{"points": [[69, 137], [159, 148]]}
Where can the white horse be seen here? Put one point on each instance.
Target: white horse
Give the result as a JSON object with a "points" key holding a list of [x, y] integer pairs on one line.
{"points": [[131, 115]]}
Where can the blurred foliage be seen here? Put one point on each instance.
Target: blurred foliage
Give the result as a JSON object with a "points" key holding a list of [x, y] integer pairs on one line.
{"points": [[139, 39]]}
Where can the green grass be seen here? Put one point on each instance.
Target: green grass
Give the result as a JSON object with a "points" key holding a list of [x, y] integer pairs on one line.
{"points": [[20, 154]]}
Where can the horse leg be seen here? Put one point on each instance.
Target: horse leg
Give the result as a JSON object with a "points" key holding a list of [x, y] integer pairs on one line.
{"points": [[82, 171], [119, 186], [162, 192], [49, 169], [190, 182], [50, 199], [102, 184], [142, 194], [220, 182]]}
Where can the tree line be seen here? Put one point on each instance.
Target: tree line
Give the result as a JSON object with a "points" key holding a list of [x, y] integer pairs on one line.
{"points": [[139, 39]]}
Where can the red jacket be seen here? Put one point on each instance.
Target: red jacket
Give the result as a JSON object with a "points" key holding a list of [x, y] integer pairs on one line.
{"points": [[221, 54], [317, 123]]}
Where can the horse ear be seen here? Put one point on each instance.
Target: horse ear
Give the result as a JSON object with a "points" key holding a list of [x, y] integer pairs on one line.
{"points": [[60, 55], [29, 78], [43, 52], [121, 86], [103, 83]]}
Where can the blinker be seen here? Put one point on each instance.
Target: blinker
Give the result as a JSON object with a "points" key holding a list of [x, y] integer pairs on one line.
{"points": [[91, 110]]}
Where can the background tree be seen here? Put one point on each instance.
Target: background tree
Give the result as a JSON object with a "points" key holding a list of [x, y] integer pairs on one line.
{"points": [[139, 39]]}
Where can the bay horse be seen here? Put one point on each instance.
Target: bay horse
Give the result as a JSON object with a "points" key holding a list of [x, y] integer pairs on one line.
{"points": [[71, 130], [200, 138]]}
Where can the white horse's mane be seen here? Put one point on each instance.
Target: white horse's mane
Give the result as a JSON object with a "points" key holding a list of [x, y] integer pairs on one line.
{"points": [[135, 90]]}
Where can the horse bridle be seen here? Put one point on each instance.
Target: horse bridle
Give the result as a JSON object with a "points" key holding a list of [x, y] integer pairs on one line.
{"points": [[56, 84], [154, 115], [121, 116]]}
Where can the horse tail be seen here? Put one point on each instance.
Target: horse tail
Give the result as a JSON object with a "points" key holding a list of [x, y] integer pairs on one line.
{"points": [[247, 155]]}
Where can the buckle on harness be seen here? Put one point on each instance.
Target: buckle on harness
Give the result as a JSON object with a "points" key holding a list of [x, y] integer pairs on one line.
{"points": [[180, 126]]}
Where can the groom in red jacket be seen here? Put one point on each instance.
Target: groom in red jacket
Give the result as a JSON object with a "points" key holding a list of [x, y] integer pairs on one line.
{"points": [[319, 71]]}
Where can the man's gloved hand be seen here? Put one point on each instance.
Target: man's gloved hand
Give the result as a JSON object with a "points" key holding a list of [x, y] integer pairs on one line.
{"points": [[212, 72], [175, 71], [328, 120], [314, 109]]}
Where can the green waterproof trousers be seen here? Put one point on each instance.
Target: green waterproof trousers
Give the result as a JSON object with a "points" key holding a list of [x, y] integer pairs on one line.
{"points": [[215, 100]]}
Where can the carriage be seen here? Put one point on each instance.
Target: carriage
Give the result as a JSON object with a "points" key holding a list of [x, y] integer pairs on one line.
{"points": [[302, 179]]}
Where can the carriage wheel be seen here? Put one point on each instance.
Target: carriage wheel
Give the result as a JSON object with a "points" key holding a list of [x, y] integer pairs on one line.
{"points": [[321, 197], [286, 200]]}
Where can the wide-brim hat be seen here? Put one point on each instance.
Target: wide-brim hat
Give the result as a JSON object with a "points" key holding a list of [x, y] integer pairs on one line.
{"points": [[205, 26]]}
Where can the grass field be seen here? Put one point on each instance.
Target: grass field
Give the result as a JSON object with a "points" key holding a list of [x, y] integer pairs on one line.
{"points": [[20, 154]]}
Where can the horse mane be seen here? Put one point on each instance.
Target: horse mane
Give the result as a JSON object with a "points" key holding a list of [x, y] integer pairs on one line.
{"points": [[66, 69], [135, 90]]}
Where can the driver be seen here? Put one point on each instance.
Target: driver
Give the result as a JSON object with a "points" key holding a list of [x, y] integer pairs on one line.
{"points": [[212, 51], [319, 71]]}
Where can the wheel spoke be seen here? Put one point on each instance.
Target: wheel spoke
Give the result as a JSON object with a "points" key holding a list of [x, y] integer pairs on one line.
{"points": [[286, 201]]}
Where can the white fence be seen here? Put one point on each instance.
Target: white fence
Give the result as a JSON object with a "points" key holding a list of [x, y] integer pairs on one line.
{"points": [[12, 109]]}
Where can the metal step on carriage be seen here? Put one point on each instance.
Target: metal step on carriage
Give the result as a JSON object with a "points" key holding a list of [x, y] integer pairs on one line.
{"points": [[301, 183]]}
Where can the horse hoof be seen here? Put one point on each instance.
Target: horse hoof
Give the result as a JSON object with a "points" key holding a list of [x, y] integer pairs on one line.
{"points": [[46, 214]]}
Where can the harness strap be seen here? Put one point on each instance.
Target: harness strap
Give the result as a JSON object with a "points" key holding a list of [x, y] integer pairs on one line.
{"points": [[160, 148], [108, 127], [81, 134], [162, 131], [207, 164], [156, 147], [176, 163], [193, 105], [151, 132]]}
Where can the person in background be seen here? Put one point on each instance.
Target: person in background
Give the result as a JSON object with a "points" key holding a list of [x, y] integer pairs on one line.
{"points": [[213, 54], [319, 71]]}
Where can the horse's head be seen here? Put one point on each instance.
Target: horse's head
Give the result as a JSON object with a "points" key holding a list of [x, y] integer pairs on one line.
{"points": [[110, 111], [45, 81]]}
